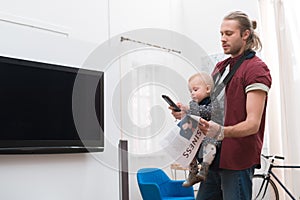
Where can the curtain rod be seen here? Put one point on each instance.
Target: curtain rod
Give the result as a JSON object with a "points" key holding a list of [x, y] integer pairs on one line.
{"points": [[151, 45]]}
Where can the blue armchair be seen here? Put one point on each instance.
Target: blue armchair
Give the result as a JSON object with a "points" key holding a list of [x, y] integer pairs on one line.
{"points": [[154, 184]]}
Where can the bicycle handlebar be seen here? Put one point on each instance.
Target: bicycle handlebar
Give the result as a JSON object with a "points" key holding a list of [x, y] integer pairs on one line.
{"points": [[276, 157]]}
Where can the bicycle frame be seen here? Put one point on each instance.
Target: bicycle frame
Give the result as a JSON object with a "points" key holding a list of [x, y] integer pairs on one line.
{"points": [[277, 179], [270, 173]]}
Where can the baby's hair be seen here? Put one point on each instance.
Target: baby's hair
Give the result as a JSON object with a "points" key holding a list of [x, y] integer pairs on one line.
{"points": [[205, 77]]}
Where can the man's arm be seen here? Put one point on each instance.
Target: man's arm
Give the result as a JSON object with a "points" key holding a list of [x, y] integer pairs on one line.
{"points": [[254, 107]]}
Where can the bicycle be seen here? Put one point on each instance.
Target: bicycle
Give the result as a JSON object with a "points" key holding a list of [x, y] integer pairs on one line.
{"points": [[264, 187]]}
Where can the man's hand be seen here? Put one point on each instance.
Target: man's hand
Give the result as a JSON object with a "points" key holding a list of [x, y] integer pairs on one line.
{"points": [[211, 129], [181, 114]]}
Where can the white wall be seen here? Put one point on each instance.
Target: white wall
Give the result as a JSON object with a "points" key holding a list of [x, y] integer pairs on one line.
{"points": [[71, 33]]}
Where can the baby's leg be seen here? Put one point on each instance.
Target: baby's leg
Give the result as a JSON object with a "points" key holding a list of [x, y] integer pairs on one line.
{"points": [[194, 166], [193, 174], [209, 152]]}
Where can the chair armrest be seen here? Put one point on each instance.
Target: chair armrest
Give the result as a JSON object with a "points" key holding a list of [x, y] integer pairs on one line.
{"points": [[150, 191], [175, 188]]}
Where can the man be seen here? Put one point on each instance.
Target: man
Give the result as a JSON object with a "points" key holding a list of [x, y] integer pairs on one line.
{"points": [[244, 114]]}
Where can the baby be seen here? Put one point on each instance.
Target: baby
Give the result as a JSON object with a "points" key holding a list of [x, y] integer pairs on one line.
{"points": [[200, 86]]}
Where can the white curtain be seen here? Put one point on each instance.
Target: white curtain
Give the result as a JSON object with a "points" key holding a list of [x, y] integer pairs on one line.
{"points": [[280, 31]]}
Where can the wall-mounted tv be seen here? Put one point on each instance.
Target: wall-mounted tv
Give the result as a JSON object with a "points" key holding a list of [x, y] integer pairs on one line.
{"points": [[50, 108]]}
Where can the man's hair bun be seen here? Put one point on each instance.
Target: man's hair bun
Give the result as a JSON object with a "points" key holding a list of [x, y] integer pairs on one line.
{"points": [[254, 24]]}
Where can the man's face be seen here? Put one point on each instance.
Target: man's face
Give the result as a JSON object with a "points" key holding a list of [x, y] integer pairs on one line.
{"points": [[232, 41]]}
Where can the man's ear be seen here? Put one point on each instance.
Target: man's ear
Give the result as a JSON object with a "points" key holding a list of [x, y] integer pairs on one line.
{"points": [[246, 34]]}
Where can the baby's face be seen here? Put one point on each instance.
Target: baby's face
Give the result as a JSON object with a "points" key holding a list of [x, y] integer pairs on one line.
{"points": [[198, 90]]}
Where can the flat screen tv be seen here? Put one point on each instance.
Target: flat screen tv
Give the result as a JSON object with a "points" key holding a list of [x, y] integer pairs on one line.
{"points": [[49, 108]]}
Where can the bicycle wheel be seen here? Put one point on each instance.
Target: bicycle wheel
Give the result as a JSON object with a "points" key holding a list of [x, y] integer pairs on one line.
{"points": [[271, 192]]}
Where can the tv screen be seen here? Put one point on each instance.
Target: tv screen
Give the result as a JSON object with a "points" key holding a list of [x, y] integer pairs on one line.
{"points": [[48, 108]]}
